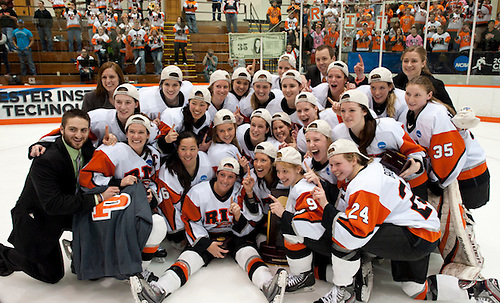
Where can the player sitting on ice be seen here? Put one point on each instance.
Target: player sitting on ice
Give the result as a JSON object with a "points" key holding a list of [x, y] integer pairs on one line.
{"points": [[215, 219], [380, 215]]}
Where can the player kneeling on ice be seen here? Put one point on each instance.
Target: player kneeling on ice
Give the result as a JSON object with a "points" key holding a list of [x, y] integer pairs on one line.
{"points": [[214, 215], [124, 226], [380, 215]]}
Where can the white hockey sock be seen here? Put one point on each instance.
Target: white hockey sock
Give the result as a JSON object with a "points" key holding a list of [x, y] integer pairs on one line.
{"points": [[249, 259], [344, 271], [301, 265], [187, 264], [449, 290], [169, 282]]}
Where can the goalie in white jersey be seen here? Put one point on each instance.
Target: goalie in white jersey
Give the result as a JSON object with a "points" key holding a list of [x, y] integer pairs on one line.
{"points": [[124, 164], [377, 213], [215, 217]]}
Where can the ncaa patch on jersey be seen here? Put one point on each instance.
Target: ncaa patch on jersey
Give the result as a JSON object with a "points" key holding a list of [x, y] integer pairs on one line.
{"points": [[203, 178], [419, 134], [381, 145]]}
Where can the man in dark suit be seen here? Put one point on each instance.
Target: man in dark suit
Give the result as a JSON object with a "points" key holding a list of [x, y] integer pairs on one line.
{"points": [[48, 201]]}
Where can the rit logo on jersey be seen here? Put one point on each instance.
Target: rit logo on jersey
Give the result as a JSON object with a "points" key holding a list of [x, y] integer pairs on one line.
{"points": [[146, 172], [218, 217]]}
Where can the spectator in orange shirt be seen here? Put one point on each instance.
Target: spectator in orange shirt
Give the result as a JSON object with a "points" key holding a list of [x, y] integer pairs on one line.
{"points": [[332, 35], [464, 38], [363, 38], [440, 17], [407, 21], [436, 6], [190, 7], [398, 42], [273, 16], [376, 42]]}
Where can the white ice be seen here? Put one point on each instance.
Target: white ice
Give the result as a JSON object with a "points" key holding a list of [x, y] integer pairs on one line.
{"points": [[222, 280]]}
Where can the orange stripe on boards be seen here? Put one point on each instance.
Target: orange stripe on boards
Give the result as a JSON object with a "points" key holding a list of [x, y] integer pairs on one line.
{"points": [[30, 121], [489, 119]]}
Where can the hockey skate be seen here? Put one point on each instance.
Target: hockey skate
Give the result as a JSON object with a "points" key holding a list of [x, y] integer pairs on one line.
{"points": [[274, 290], [144, 292], [304, 281], [343, 294], [160, 255], [482, 290], [363, 283]]}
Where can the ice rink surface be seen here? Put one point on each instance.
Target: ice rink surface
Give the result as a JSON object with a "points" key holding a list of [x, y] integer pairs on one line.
{"points": [[222, 280]]}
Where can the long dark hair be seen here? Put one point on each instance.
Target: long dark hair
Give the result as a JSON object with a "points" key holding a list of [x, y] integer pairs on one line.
{"points": [[368, 132], [175, 166]]}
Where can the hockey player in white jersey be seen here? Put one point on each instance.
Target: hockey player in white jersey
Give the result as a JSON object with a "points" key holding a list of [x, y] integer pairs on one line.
{"points": [[193, 117], [124, 164], [376, 136], [286, 62], [262, 95], [219, 86], [240, 84], [377, 213], [184, 169], [283, 130], [259, 130], [215, 217], [383, 97], [337, 82], [300, 221], [291, 86], [172, 92], [224, 141]]}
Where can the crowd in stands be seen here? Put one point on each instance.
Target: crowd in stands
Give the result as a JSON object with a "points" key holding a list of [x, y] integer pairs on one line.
{"points": [[449, 27]]}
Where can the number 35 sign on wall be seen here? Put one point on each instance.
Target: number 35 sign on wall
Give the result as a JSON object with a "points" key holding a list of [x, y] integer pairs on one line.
{"points": [[250, 46]]}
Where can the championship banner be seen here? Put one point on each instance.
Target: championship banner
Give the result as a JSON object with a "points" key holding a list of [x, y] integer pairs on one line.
{"points": [[248, 46]]}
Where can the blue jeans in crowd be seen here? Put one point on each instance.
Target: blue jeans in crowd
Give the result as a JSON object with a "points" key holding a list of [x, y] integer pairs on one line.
{"points": [[157, 55], [45, 34], [232, 19], [216, 6], [191, 23], [8, 32], [75, 34], [26, 55], [140, 66]]}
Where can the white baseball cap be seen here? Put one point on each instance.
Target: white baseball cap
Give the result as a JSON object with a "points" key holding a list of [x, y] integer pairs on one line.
{"points": [[266, 148], [139, 119], [200, 93], [224, 116], [241, 73], [465, 118], [219, 75], [340, 65], [171, 72], [356, 96], [289, 155], [262, 76], [289, 58], [292, 74], [264, 114], [380, 74], [320, 126], [229, 164], [344, 146], [282, 116], [128, 90], [306, 97]]}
